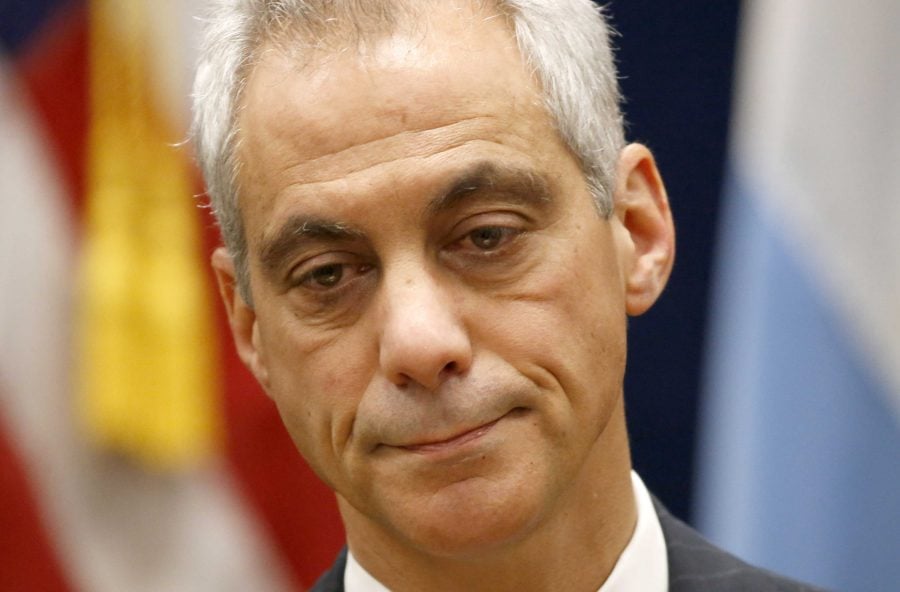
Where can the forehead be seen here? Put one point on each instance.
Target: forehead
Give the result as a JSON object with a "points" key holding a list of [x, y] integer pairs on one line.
{"points": [[456, 79], [453, 61]]}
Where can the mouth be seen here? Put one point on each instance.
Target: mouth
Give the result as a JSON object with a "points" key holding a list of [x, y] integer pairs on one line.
{"points": [[457, 440]]}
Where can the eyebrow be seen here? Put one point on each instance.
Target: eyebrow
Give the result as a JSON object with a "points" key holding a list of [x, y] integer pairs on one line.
{"points": [[517, 185], [298, 229]]}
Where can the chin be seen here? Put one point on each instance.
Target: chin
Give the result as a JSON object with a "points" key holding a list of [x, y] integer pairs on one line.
{"points": [[471, 518]]}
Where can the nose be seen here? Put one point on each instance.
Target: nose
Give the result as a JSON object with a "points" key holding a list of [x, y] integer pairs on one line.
{"points": [[423, 339]]}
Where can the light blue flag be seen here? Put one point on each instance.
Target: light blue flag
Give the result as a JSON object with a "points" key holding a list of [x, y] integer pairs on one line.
{"points": [[799, 465]]}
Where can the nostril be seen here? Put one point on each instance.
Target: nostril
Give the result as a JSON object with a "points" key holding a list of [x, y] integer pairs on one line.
{"points": [[451, 367]]}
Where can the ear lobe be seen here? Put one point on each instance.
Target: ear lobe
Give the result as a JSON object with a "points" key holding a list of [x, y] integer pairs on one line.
{"points": [[241, 317], [642, 207]]}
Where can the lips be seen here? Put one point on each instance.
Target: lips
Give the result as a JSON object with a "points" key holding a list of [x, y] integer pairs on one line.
{"points": [[461, 412], [457, 440]]}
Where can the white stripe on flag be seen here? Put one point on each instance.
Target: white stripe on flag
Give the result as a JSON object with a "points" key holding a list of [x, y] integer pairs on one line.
{"points": [[818, 128]]}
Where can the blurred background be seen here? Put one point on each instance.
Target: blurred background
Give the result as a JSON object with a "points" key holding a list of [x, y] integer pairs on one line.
{"points": [[763, 391]]}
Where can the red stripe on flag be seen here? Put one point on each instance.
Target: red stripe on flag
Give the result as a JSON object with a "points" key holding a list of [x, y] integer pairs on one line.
{"points": [[29, 561], [53, 70]]}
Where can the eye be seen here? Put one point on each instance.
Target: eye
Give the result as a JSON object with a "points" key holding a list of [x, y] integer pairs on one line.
{"points": [[490, 238], [487, 238], [331, 287], [326, 276], [488, 244], [329, 276]]}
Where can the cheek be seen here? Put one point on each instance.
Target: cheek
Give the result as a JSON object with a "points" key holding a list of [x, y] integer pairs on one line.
{"points": [[577, 344], [573, 300], [317, 384], [591, 340], [564, 328]]}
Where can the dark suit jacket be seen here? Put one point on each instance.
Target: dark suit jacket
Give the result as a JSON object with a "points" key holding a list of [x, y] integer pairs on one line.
{"points": [[694, 566]]}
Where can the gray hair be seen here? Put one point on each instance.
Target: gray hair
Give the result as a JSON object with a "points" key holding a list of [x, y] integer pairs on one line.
{"points": [[565, 42]]}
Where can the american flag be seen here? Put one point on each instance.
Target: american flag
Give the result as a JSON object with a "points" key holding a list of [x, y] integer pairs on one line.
{"points": [[136, 453]]}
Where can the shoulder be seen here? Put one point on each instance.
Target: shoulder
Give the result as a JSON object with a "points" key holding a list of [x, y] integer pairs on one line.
{"points": [[333, 579], [695, 565]]}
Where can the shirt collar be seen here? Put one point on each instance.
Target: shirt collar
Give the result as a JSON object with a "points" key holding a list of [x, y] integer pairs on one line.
{"points": [[642, 566]]}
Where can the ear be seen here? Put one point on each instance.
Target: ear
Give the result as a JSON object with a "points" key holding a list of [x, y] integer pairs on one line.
{"points": [[241, 317], [642, 208]]}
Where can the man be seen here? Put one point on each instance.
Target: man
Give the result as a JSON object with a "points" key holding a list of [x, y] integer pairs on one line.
{"points": [[434, 233]]}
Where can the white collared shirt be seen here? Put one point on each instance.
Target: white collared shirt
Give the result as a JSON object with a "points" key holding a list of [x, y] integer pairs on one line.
{"points": [[642, 566]]}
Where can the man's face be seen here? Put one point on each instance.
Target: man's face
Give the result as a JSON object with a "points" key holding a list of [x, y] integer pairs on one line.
{"points": [[439, 311]]}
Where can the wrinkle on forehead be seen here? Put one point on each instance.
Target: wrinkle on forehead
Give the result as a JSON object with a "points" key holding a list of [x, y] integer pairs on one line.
{"points": [[417, 143], [441, 46], [377, 112]]}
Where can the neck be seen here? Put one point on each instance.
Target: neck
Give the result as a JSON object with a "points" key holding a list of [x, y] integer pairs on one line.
{"points": [[575, 547]]}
